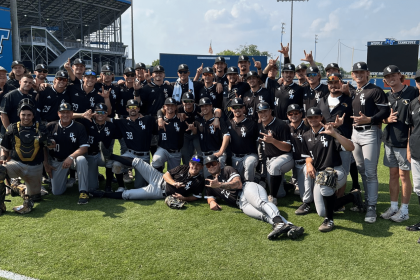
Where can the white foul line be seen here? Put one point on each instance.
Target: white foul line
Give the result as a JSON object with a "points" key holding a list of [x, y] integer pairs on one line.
{"points": [[13, 276]]}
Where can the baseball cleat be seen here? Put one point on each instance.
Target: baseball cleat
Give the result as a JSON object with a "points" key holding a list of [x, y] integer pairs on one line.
{"points": [[358, 200], [370, 214], [105, 153], [295, 232], [278, 229], [83, 198], [303, 209], [399, 217], [327, 225], [121, 189], [389, 213], [26, 207], [70, 182], [415, 227]]}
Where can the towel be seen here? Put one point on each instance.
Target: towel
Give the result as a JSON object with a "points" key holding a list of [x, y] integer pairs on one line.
{"points": [[177, 94]]}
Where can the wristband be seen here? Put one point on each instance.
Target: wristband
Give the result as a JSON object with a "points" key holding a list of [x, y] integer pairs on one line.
{"points": [[72, 158]]}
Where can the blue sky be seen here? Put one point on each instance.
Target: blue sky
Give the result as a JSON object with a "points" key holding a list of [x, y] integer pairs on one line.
{"points": [[188, 26]]}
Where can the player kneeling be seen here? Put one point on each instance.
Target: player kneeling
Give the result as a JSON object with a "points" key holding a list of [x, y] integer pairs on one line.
{"points": [[225, 183]]}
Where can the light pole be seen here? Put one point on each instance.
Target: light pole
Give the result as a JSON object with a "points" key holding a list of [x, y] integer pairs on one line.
{"points": [[291, 22], [316, 41], [132, 34], [281, 41]]}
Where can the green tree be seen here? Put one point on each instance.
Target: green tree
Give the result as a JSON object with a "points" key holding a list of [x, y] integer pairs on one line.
{"points": [[250, 50], [156, 62], [227, 52]]}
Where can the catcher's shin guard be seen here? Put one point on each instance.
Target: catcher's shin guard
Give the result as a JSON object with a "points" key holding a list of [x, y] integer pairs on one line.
{"points": [[26, 207], [17, 190]]}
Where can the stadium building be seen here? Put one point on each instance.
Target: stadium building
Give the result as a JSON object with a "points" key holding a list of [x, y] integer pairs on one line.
{"points": [[51, 31]]}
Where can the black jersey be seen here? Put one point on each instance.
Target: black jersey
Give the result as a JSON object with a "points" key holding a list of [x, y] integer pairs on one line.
{"points": [[210, 92], [193, 184], [49, 101], [172, 137], [237, 89], [113, 88], [211, 138], [297, 139], [6, 88], [76, 81], [323, 149], [13, 84], [99, 133], [143, 82], [280, 131], [229, 196], [9, 143], [123, 94], [251, 100], [68, 139], [343, 107], [396, 134], [221, 80], [311, 96], [82, 101], [367, 100], [137, 134], [192, 116], [153, 97], [285, 95], [413, 120], [10, 102], [243, 136]]}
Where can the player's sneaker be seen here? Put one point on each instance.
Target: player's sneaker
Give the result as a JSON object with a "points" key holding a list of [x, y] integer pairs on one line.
{"points": [[26, 207], [83, 198], [389, 213], [370, 216], [126, 178], [130, 174], [70, 182], [415, 227], [358, 200], [46, 180], [272, 199], [342, 209], [121, 189], [278, 229], [296, 192], [327, 225], [105, 153], [303, 209], [295, 231], [43, 191], [108, 189], [399, 217]]}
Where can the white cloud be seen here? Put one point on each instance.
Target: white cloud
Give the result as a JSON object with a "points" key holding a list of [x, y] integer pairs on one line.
{"points": [[213, 15], [380, 7], [415, 31], [361, 4], [317, 23]]}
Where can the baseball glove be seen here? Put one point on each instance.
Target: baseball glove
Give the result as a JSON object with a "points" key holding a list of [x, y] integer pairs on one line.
{"points": [[328, 178], [174, 203]]}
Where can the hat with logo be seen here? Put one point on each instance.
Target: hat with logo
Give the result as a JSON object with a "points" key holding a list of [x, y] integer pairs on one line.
{"points": [[243, 58], [391, 69], [210, 158], [62, 74], [360, 66], [204, 101], [140, 65], [288, 67], [262, 106], [78, 61], [232, 70], [293, 107], [65, 107], [314, 111], [332, 66], [40, 67], [132, 102], [107, 68], [158, 68], [219, 59]]}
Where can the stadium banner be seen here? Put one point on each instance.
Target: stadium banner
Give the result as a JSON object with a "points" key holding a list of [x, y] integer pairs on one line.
{"points": [[6, 55]]}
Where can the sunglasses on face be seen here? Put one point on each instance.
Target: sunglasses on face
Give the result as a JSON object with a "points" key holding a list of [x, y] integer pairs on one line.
{"points": [[42, 71], [130, 75], [207, 74], [132, 107], [210, 164], [61, 79], [182, 72], [293, 113], [188, 101], [108, 73], [101, 112], [90, 73], [236, 107], [311, 74]]}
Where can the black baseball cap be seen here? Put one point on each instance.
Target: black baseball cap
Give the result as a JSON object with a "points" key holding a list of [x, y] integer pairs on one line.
{"points": [[187, 96], [65, 107], [252, 74], [314, 111], [210, 158], [101, 107], [41, 67], [243, 58], [16, 63], [129, 70], [204, 101], [332, 66], [107, 68], [360, 66], [197, 158], [232, 70], [62, 74], [170, 101], [208, 70], [132, 102], [417, 74], [158, 68], [301, 66], [262, 106], [293, 107], [183, 67], [391, 69], [3, 69], [312, 70], [78, 61], [334, 77], [237, 101], [26, 104], [288, 67], [140, 65], [219, 59]]}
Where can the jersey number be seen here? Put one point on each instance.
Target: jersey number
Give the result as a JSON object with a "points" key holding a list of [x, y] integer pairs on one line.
{"points": [[129, 135], [57, 147]]}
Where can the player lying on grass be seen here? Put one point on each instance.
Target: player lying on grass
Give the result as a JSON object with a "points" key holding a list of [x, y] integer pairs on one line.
{"points": [[225, 184]]}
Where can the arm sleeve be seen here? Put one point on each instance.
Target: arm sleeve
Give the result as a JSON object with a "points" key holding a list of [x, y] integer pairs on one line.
{"points": [[381, 102], [286, 60]]}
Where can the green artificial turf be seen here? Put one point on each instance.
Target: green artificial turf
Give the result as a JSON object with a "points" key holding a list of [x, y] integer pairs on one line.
{"points": [[116, 239]]}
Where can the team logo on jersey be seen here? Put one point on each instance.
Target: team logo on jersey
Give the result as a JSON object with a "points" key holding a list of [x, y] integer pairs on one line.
{"points": [[76, 94], [226, 193], [406, 101], [211, 129], [243, 132], [188, 185], [260, 98], [344, 104], [48, 97], [299, 136], [362, 99], [73, 139], [142, 125], [107, 132], [166, 92], [317, 97], [276, 101], [291, 95], [250, 111], [324, 141], [176, 127], [92, 102]]}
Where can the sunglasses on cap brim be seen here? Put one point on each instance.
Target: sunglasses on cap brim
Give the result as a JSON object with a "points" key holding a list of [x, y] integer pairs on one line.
{"points": [[131, 107], [333, 79], [311, 74], [89, 73], [197, 160]]}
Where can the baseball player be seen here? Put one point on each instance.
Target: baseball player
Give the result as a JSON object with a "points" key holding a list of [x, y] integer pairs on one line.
{"points": [[184, 84], [18, 71], [225, 183], [243, 136], [315, 90], [4, 88], [23, 155], [255, 95], [275, 140], [41, 72], [212, 140], [413, 154], [321, 145], [140, 69], [220, 67], [70, 143], [76, 71], [370, 108], [209, 89], [301, 75], [183, 182], [233, 89], [395, 136], [243, 65]]}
